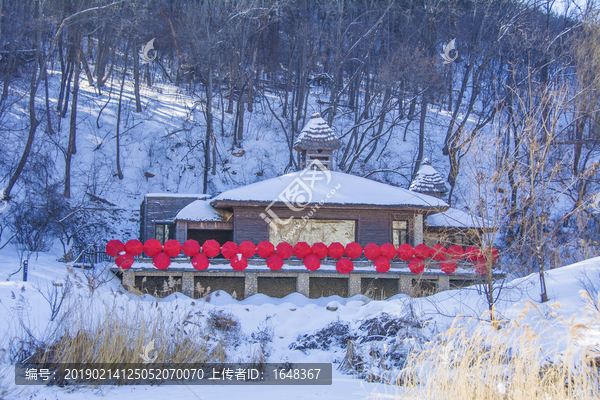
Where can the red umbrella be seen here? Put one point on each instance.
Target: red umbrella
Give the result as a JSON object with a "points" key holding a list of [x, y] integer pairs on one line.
{"points": [[471, 253], [161, 260], [265, 249], [372, 251], [416, 266], [200, 262], [285, 250], [494, 254], [382, 264], [302, 250], [275, 262], [438, 252], [229, 250], [312, 262], [152, 247], [448, 267], [405, 252], [211, 248], [134, 247], [344, 265], [191, 247], [238, 262], [422, 251], [114, 248], [455, 252], [480, 265], [336, 250], [388, 250], [172, 247], [353, 250], [247, 248], [124, 260], [319, 249]]}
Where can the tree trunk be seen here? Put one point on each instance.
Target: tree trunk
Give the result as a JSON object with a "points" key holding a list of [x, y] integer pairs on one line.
{"points": [[136, 79], [72, 148], [33, 122], [209, 124], [119, 172], [421, 134]]}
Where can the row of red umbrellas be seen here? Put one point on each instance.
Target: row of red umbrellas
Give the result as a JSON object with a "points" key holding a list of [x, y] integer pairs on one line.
{"points": [[311, 255]]}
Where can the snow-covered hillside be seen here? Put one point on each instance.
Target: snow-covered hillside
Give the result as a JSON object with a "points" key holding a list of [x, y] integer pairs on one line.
{"points": [[295, 328]]}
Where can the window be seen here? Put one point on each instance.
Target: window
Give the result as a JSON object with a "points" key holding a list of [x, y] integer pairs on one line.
{"points": [[399, 232], [313, 231], [164, 232]]}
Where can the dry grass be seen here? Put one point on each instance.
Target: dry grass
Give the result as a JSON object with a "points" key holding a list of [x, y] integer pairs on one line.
{"points": [[119, 333], [501, 364]]}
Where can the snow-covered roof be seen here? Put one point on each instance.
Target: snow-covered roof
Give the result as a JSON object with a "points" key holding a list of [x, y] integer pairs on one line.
{"points": [[317, 135], [180, 195], [329, 187], [428, 180], [199, 210], [454, 218]]}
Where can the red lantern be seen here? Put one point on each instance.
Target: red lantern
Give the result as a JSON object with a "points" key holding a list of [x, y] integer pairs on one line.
{"points": [[312, 262], [353, 250], [211, 248], [422, 251], [302, 250], [152, 247], [191, 248], [285, 250], [172, 248], [161, 260], [455, 252], [372, 251], [388, 250], [275, 262], [265, 249], [134, 247], [114, 248], [344, 266], [438, 252], [238, 262], [416, 266], [247, 248], [319, 249], [405, 252], [200, 262], [448, 267], [124, 260], [471, 253], [382, 264], [229, 250]]}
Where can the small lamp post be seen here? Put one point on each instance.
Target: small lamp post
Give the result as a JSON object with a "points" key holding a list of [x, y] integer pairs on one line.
{"points": [[25, 264]]}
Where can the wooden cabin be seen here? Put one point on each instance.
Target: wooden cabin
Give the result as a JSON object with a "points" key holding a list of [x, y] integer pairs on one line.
{"points": [[317, 204]]}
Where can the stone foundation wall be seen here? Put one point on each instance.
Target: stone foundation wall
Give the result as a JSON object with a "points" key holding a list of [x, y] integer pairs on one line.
{"points": [[311, 284]]}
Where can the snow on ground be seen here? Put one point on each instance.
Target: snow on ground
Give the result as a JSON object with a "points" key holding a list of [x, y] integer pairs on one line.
{"points": [[291, 317]]}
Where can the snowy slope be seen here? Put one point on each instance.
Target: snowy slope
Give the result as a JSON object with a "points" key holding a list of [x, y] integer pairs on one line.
{"points": [[295, 316]]}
